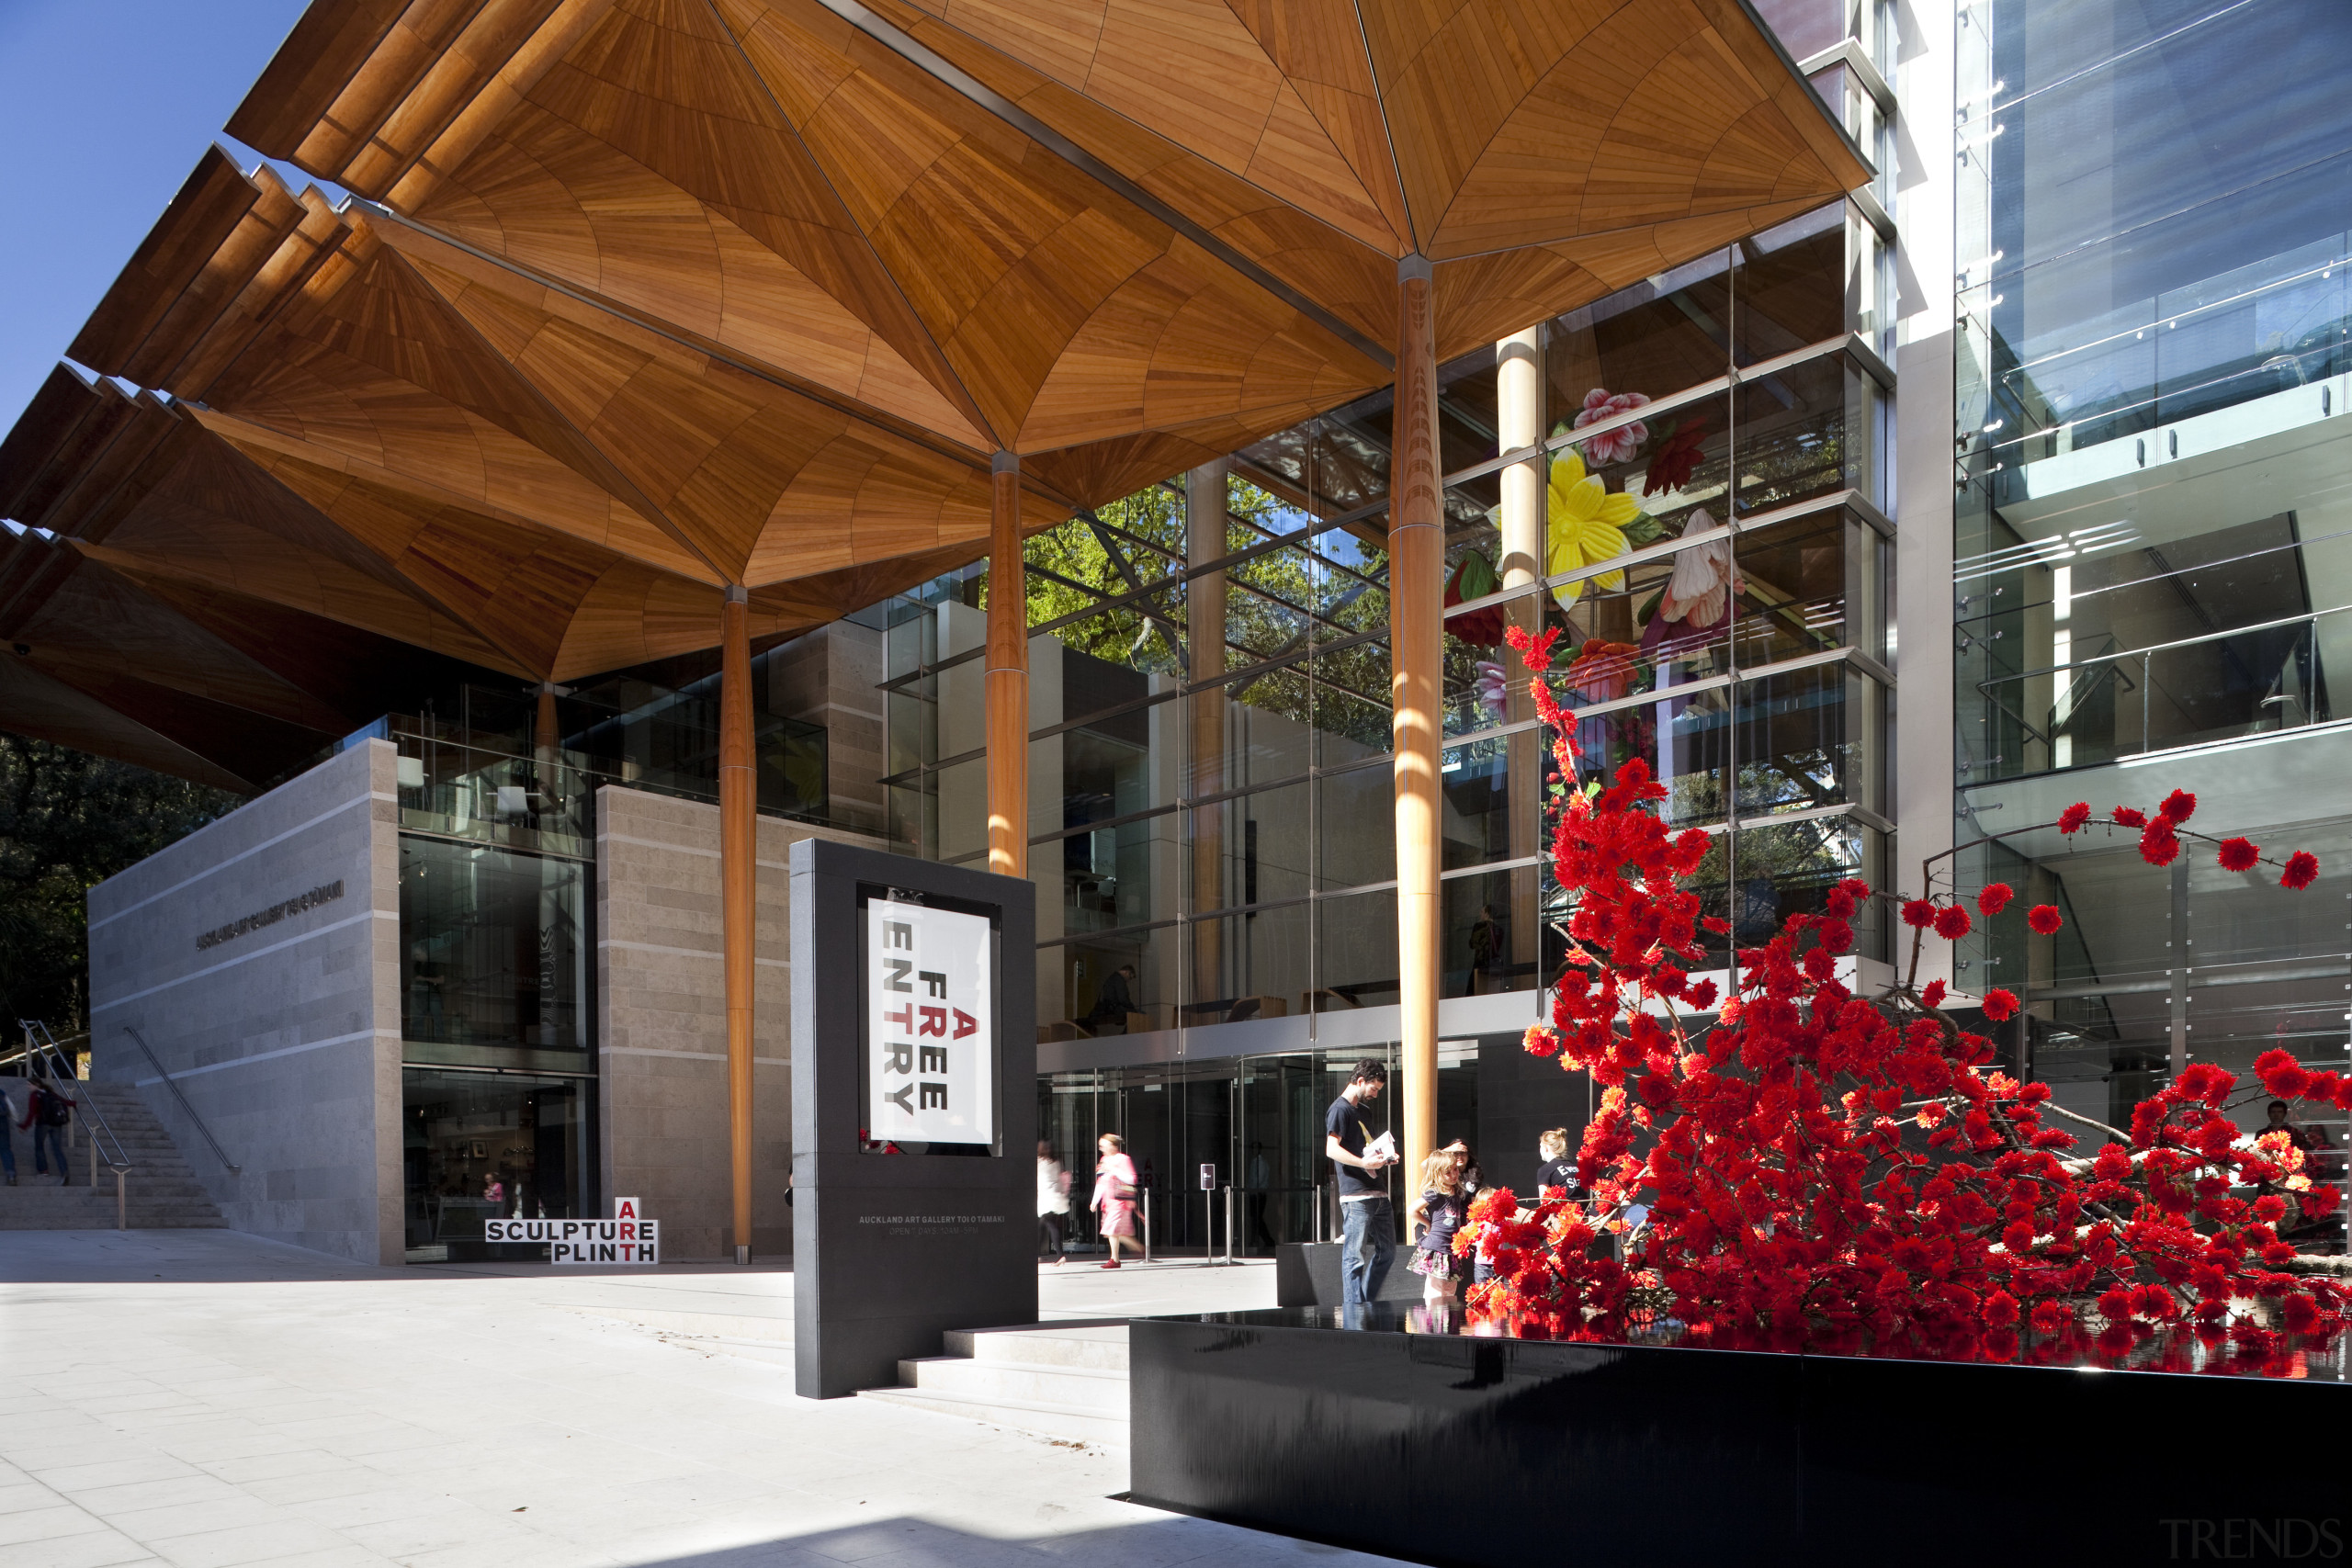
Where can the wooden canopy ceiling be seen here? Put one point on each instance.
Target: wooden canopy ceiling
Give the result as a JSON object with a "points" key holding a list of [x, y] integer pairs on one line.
{"points": [[1115, 236], [650, 297]]}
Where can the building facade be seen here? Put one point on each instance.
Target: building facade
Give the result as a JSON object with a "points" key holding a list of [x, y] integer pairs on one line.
{"points": [[2070, 365]]}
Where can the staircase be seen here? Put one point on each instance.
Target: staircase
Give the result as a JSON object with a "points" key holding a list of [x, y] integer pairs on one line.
{"points": [[1065, 1380], [163, 1192]]}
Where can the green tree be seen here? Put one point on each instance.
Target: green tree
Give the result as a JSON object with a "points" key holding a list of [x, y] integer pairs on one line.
{"points": [[68, 821]]}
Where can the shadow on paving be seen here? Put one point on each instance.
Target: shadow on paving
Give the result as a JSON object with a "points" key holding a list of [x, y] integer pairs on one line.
{"points": [[1166, 1541]]}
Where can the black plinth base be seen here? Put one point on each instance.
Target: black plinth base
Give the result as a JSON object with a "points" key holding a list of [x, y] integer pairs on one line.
{"points": [[1502, 1453], [1306, 1274]]}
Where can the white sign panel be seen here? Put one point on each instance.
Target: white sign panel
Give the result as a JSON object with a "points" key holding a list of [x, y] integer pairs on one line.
{"points": [[623, 1238], [930, 1046]]}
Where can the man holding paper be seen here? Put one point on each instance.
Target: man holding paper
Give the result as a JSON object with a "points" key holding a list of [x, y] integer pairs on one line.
{"points": [[1370, 1220]]}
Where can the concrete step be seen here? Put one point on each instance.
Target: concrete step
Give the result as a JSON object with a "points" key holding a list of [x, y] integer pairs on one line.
{"points": [[999, 1382], [1100, 1345], [1028, 1415], [1065, 1380]]}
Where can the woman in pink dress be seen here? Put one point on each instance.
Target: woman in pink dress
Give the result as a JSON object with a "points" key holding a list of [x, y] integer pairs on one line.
{"points": [[1114, 1193]]}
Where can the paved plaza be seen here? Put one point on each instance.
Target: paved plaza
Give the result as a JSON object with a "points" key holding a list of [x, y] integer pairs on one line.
{"points": [[205, 1399]]}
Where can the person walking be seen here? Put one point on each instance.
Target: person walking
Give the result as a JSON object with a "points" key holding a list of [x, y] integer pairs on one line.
{"points": [[1439, 1215], [1370, 1226], [1114, 1193], [48, 1110], [1053, 1202], [7, 1136]]}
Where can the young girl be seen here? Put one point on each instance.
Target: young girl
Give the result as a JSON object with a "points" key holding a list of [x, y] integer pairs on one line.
{"points": [[1114, 1193], [1441, 1212]]}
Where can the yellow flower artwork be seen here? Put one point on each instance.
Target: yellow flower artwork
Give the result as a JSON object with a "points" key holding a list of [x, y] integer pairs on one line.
{"points": [[1586, 524]]}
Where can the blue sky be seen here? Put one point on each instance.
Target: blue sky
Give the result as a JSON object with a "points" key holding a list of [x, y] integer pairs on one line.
{"points": [[105, 107]]}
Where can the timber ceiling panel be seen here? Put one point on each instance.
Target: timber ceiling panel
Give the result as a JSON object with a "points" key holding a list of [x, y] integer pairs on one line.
{"points": [[1051, 223], [40, 705], [667, 294], [98, 620]]}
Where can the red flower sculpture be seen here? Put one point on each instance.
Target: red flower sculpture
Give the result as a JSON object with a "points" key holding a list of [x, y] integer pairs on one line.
{"points": [[1828, 1171], [2239, 854], [1996, 898], [2043, 919]]}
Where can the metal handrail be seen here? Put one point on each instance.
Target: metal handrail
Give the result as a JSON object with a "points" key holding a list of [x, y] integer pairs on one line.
{"points": [[219, 1153], [2096, 659], [41, 1048]]}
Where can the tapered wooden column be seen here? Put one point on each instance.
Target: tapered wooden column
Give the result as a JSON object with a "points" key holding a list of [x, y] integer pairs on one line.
{"points": [[1007, 670], [1417, 648], [1518, 422], [737, 889]]}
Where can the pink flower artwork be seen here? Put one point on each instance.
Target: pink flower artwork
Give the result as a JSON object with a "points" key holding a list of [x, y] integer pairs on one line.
{"points": [[1611, 445]]}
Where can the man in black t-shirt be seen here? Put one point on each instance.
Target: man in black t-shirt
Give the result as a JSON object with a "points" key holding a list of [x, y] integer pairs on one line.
{"points": [[1370, 1220]]}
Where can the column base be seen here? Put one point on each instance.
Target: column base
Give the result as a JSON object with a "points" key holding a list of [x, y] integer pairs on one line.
{"points": [[742, 1255]]}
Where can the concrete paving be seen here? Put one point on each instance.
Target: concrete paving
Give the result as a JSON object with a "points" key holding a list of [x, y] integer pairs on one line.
{"points": [[207, 1399]]}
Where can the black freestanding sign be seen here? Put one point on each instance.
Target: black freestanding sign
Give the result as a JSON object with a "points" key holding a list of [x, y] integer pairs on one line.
{"points": [[915, 1110]]}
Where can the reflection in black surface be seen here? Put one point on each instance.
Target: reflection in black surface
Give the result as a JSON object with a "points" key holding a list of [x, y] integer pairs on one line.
{"points": [[1407, 1431], [2331, 1364]]}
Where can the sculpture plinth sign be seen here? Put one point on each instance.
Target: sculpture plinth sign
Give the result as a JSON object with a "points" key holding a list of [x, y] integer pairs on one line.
{"points": [[626, 1238], [913, 1110]]}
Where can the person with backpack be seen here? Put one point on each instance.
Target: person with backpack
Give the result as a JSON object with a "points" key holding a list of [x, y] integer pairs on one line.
{"points": [[47, 1111]]}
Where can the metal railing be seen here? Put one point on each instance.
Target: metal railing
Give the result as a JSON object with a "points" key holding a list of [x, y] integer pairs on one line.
{"points": [[44, 1057], [219, 1153], [2219, 685]]}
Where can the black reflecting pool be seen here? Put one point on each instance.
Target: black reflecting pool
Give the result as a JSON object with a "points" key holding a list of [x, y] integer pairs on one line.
{"points": [[1408, 1435]]}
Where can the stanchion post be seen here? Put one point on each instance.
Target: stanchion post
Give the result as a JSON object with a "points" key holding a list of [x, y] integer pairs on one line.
{"points": [[121, 1203], [1229, 1223]]}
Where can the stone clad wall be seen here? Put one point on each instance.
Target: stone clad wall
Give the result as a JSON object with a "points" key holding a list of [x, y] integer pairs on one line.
{"points": [[283, 1034], [662, 1011]]}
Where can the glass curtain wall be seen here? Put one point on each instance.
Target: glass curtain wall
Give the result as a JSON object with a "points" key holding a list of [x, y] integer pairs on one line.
{"points": [[497, 1036], [2154, 546], [1259, 1120], [1211, 809], [2155, 549]]}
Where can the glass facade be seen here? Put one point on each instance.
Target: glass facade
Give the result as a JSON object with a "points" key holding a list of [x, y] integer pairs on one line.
{"points": [[490, 1144], [496, 790], [1259, 1120], [2152, 545], [1211, 807]]}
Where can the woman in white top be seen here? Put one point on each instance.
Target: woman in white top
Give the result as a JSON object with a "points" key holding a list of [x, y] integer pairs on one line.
{"points": [[1053, 1202]]}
